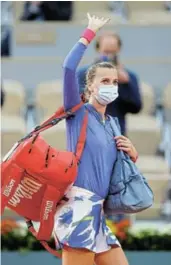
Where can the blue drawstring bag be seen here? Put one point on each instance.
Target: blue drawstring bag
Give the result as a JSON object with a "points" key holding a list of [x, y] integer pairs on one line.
{"points": [[129, 191]]}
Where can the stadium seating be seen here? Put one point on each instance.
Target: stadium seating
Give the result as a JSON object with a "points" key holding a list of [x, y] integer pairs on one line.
{"points": [[158, 183], [143, 129], [148, 12], [156, 17], [148, 98], [152, 165], [14, 97], [156, 170], [12, 129], [49, 96], [150, 213], [144, 132], [56, 136], [167, 97], [12, 123]]}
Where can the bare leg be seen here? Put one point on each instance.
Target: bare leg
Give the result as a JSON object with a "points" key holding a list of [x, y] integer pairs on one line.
{"points": [[114, 256], [75, 256]]}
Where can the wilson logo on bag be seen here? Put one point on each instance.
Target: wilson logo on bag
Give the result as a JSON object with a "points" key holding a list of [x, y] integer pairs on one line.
{"points": [[26, 189], [35, 176], [8, 188], [48, 209]]}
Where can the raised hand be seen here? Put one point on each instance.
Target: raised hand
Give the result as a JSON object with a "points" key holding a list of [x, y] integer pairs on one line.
{"points": [[96, 23]]}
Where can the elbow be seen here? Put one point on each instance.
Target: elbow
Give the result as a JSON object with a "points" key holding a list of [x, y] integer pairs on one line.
{"points": [[139, 106], [136, 107], [66, 65]]}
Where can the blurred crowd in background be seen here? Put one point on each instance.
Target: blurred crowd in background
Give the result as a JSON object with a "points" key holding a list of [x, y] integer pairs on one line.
{"points": [[54, 11], [135, 97]]}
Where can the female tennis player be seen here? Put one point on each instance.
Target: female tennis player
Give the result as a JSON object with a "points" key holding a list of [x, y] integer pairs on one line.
{"points": [[80, 222]]}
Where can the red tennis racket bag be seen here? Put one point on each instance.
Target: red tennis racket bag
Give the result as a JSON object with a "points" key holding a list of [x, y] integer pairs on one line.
{"points": [[35, 176]]}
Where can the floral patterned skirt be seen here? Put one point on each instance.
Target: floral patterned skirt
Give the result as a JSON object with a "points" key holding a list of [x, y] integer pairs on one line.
{"points": [[80, 222]]}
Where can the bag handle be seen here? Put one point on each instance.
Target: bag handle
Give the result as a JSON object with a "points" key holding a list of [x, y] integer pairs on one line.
{"points": [[115, 127], [116, 132], [58, 116], [43, 243], [47, 212], [121, 154], [46, 221], [82, 138]]}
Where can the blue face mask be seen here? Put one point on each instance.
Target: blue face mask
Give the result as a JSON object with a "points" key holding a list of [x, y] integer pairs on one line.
{"points": [[106, 94]]}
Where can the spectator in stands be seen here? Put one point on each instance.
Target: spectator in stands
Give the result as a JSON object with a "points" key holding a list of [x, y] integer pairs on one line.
{"points": [[2, 97], [119, 9], [5, 41], [167, 5], [47, 10], [108, 46], [166, 204], [6, 22]]}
